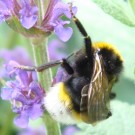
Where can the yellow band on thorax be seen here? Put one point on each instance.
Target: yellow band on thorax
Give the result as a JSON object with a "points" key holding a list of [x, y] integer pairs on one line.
{"points": [[108, 46]]}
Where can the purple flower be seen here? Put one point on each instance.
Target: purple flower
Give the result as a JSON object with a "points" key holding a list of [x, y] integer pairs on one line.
{"points": [[7, 55], [52, 20], [25, 94], [5, 9], [56, 50], [61, 76], [34, 131], [26, 12], [70, 130]]}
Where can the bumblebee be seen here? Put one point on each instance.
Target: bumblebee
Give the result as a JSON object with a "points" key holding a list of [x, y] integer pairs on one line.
{"points": [[85, 95]]}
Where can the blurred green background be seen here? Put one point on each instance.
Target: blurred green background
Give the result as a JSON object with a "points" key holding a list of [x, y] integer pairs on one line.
{"points": [[101, 27]]}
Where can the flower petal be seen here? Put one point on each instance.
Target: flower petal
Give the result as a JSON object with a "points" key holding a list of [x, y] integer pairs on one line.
{"points": [[8, 4], [52, 20], [63, 33], [6, 93], [28, 22], [28, 16], [61, 9], [70, 130], [56, 50], [18, 96], [36, 88], [61, 76], [35, 111], [10, 67], [23, 76], [21, 120], [4, 11]]}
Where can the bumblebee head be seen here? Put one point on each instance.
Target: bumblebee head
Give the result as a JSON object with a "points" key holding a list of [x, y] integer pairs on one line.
{"points": [[111, 58]]}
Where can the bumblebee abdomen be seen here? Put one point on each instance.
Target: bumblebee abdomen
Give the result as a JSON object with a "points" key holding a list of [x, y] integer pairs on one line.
{"points": [[59, 104]]}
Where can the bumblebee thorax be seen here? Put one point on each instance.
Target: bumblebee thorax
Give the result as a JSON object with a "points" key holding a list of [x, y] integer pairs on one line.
{"points": [[111, 58]]}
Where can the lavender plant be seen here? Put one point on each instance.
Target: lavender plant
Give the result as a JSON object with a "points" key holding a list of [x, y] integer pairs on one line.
{"points": [[25, 94], [30, 20], [36, 20], [23, 91], [6, 55]]}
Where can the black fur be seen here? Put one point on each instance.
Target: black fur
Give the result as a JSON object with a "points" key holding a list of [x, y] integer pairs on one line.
{"points": [[112, 63], [82, 63], [75, 85], [83, 70]]}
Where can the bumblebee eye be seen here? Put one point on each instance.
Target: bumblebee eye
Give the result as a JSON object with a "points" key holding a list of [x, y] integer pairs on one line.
{"points": [[109, 114]]}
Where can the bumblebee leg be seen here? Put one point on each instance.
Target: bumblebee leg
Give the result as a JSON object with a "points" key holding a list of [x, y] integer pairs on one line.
{"points": [[87, 39], [112, 95], [42, 67], [109, 114], [50, 64], [27, 68], [67, 67]]}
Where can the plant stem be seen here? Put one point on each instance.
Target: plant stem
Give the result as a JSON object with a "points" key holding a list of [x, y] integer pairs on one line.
{"points": [[40, 52], [52, 125], [41, 56], [8, 124]]}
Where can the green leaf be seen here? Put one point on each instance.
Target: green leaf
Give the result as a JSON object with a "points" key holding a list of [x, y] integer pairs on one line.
{"points": [[118, 10], [132, 4], [121, 122]]}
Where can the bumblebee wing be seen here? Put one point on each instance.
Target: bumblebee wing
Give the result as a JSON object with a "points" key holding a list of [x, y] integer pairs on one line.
{"points": [[97, 95], [84, 104]]}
